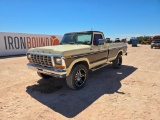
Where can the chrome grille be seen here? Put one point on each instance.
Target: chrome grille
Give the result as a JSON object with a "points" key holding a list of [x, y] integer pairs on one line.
{"points": [[42, 60]]}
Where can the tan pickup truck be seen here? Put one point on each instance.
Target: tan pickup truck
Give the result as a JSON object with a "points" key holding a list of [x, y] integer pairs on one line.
{"points": [[77, 53]]}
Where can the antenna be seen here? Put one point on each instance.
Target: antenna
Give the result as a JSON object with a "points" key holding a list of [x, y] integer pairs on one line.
{"points": [[91, 29]]}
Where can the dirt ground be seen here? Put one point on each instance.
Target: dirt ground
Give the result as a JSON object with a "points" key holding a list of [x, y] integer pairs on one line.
{"points": [[132, 92]]}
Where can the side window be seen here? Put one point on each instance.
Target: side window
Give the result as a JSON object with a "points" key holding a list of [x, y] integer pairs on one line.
{"points": [[96, 38]]}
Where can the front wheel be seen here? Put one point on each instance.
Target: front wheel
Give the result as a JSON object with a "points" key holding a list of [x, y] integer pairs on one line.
{"points": [[77, 77], [117, 62], [151, 47]]}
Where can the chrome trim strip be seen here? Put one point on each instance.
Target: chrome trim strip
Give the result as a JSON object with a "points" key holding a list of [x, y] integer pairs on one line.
{"points": [[52, 59]]}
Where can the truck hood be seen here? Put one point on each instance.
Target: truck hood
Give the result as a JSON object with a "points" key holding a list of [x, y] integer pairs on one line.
{"points": [[64, 50]]}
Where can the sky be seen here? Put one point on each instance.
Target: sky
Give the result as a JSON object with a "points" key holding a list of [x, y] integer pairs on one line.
{"points": [[115, 18]]}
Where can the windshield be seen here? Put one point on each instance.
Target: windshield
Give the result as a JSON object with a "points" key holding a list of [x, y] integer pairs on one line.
{"points": [[77, 39]]}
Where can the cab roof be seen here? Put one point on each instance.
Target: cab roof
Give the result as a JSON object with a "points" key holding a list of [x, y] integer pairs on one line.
{"points": [[90, 32]]}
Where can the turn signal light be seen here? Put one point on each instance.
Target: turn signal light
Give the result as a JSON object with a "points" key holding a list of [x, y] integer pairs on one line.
{"points": [[30, 61], [67, 57], [59, 66]]}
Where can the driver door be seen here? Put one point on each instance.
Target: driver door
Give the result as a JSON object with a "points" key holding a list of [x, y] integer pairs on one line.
{"points": [[100, 51]]}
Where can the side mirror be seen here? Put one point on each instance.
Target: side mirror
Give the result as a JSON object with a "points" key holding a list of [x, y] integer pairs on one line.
{"points": [[101, 41]]}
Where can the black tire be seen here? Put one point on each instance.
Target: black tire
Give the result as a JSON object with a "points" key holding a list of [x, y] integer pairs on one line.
{"points": [[151, 47], [77, 77], [117, 62], [44, 75]]}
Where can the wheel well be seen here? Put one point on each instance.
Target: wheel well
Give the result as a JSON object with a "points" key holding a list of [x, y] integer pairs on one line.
{"points": [[120, 53], [83, 63]]}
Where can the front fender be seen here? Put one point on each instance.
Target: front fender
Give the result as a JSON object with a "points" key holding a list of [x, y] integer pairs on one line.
{"points": [[74, 62]]}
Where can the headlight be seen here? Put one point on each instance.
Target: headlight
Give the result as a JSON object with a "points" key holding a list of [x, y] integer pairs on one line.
{"points": [[58, 61], [152, 43], [28, 56]]}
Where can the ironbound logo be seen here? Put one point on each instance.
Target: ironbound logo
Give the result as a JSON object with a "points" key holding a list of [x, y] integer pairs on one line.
{"points": [[29, 42]]}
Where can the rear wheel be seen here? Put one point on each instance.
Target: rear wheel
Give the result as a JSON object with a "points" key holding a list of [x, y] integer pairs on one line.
{"points": [[77, 77], [44, 75], [117, 62]]}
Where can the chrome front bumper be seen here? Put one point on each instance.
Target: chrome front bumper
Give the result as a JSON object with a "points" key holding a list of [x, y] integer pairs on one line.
{"points": [[46, 70]]}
